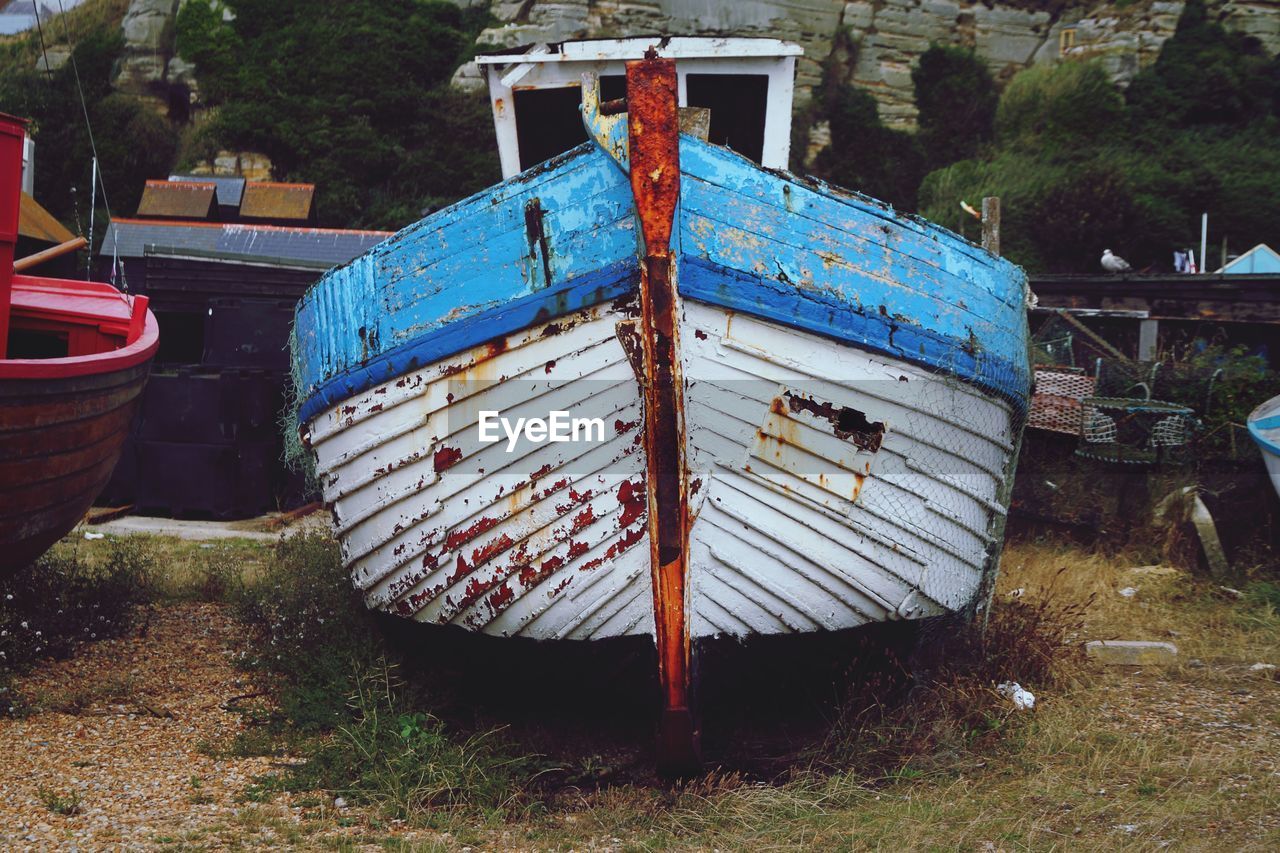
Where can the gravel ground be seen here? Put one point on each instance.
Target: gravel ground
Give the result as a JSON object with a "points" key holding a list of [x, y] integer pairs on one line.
{"points": [[132, 715], [123, 729]]}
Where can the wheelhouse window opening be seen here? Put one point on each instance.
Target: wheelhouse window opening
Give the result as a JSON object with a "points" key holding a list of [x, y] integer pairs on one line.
{"points": [[738, 104], [747, 84], [548, 121]]}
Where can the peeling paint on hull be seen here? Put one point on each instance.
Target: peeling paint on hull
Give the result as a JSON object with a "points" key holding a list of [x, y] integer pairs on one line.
{"points": [[795, 528], [853, 384], [549, 540]]}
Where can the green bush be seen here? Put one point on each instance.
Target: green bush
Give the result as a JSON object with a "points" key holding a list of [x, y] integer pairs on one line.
{"points": [[1064, 111], [1078, 168], [1264, 595], [1240, 383], [312, 631], [406, 761], [367, 734]]}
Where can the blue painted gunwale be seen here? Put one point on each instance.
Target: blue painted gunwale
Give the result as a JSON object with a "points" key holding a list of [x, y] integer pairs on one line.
{"points": [[469, 274], [810, 256], [1269, 422]]}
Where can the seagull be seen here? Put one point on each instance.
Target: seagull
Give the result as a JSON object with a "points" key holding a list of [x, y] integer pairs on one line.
{"points": [[1114, 263]]}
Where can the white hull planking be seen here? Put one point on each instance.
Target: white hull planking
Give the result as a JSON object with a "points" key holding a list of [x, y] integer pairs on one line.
{"points": [[1273, 469], [795, 528], [800, 530]]}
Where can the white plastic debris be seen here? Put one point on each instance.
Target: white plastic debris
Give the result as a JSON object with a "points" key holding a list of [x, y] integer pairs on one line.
{"points": [[339, 803], [88, 534], [1263, 667], [1021, 698], [1017, 593], [1128, 592]]}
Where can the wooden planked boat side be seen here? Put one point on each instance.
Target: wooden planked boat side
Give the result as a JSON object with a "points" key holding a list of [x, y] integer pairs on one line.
{"points": [[28, 409], [59, 442], [776, 547], [797, 528], [847, 267], [556, 239], [539, 541], [755, 241], [854, 383], [30, 446]]}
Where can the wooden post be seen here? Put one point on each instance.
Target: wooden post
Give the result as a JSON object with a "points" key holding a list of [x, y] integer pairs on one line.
{"points": [[1148, 335], [991, 224]]}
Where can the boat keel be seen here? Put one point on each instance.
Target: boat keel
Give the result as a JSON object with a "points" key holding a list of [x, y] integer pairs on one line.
{"points": [[654, 149]]}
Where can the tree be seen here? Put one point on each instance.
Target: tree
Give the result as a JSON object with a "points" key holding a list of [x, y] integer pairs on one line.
{"points": [[865, 155], [133, 143], [1204, 75], [956, 99], [343, 95]]}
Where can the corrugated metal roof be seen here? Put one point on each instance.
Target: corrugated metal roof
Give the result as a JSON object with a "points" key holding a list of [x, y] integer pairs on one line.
{"points": [[176, 199], [130, 238], [277, 201], [230, 189], [38, 224]]}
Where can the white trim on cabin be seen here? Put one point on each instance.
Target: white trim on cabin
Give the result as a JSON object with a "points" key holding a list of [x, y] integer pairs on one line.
{"points": [[559, 66]]}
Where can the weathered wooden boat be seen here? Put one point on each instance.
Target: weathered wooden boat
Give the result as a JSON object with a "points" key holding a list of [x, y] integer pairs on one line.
{"points": [[753, 403], [78, 354], [1264, 428]]}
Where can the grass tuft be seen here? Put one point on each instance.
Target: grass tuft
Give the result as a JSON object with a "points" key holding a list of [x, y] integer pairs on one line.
{"points": [[58, 803], [952, 706], [367, 734]]}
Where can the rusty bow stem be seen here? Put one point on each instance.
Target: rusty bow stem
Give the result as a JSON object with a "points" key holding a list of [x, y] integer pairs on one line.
{"points": [[653, 133]]}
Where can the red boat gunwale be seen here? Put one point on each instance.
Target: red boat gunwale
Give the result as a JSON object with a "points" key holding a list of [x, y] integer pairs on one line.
{"points": [[121, 331]]}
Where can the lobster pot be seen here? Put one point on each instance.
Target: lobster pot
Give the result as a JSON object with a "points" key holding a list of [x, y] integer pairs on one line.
{"points": [[1135, 432], [1058, 400]]}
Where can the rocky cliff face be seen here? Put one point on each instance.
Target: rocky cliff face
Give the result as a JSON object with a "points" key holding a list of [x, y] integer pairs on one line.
{"points": [[878, 41], [875, 42], [148, 45]]}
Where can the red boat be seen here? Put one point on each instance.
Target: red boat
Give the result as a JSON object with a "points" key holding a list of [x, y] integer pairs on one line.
{"points": [[75, 358]]}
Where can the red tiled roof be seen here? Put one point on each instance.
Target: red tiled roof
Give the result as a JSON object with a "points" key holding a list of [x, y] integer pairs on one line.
{"points": [[176, 200], [266, 200]]}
